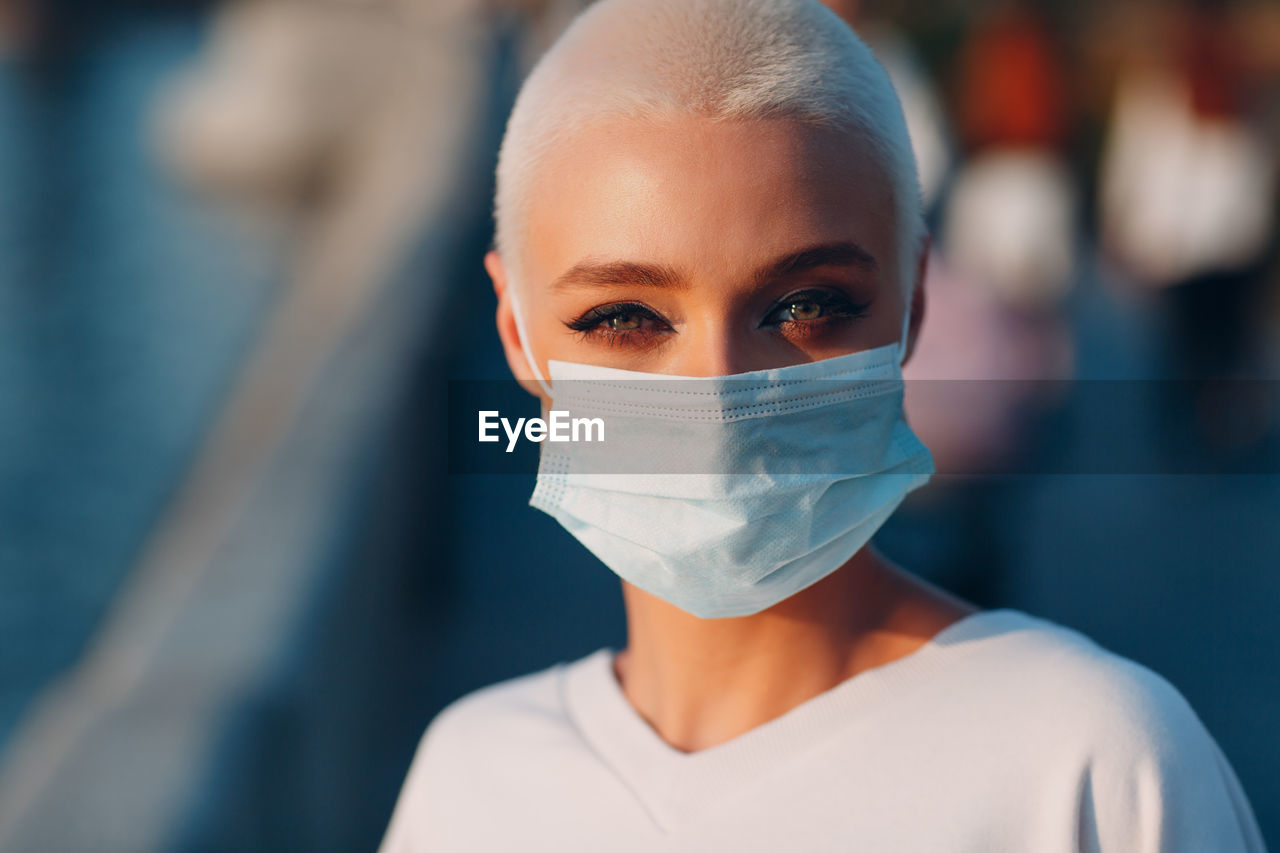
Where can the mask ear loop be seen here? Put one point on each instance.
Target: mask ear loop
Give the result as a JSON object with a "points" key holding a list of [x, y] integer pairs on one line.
{"points": [[524, 339], [906, 329]]}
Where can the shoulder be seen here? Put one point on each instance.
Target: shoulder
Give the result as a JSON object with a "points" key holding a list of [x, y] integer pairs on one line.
{"points": [[1139, 759], [1072, 682], [484, 747], [525, 711]]}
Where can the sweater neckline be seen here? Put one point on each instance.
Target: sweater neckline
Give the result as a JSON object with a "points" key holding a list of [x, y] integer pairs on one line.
{"points": [[676, 787]]}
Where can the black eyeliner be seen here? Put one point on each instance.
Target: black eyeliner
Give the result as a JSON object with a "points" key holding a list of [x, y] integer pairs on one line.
{"points": [[595, 316], [841, 305]]}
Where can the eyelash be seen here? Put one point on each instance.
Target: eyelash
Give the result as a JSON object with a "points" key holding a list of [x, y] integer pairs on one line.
{"points": [[593, 322], [836, 307]]}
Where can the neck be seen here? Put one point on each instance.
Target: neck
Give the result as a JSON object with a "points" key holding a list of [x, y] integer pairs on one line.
{"points": [[701, 682]]}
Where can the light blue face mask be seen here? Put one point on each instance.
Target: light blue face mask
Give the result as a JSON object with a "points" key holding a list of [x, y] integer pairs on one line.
{"points": [[726, 495]]}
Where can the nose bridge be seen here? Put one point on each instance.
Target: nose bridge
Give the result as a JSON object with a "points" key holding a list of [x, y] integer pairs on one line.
{"points": [[713, 345]]}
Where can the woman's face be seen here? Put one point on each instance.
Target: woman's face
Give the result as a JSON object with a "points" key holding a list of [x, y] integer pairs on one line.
{"points": [[702, 248]]}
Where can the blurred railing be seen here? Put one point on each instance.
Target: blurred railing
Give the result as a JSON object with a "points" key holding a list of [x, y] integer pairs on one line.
{"points": [[234, 697]]}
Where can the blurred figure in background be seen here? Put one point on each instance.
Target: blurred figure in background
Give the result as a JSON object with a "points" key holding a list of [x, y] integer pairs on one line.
{"points": [[1188, 199], [1011, 219], [1187, 179]]}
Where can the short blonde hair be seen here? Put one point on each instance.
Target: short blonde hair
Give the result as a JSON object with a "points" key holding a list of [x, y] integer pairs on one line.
{"points": [[722, 59]]}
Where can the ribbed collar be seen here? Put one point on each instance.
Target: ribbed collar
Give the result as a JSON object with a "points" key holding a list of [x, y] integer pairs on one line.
{"points": [[676, 787]]}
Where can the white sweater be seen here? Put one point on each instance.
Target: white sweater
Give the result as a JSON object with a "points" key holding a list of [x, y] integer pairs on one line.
{"points": [[1003, 733]]}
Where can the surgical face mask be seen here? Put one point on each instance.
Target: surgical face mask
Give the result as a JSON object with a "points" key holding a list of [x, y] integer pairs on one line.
{"points": [[726, 495]]}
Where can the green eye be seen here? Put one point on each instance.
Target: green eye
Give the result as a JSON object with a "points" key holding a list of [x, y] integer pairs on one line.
{"points": [[625, 322], [620, 324], [805, 310]]}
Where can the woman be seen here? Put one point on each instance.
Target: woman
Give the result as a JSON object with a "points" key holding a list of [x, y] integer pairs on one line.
{"points": [[723, 191]]}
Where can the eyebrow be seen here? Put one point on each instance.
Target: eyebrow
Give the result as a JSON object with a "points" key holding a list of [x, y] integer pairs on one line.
{"points": [[845, 254], [590, 274], [595, 274]]}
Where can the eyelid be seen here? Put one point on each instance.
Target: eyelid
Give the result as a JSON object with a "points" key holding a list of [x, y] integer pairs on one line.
{"points": [[814, 290], [593, 317]]}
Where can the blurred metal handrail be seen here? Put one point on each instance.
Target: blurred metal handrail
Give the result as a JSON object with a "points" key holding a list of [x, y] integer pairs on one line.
{"points": [[183, 639]]}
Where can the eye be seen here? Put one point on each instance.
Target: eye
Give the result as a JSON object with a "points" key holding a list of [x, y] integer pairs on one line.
{"points": [[623, 322], [805, 309], [810, 305]]}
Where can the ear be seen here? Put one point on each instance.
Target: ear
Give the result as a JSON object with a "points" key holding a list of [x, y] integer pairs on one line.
{"points": [[918, 300], [508, 332]]}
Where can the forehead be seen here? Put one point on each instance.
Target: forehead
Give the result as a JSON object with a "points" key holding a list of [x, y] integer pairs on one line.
{"points": [[704, 196]]}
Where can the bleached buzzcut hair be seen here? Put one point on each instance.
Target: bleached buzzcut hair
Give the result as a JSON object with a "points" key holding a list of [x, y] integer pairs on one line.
{"points": [[719, 59]]}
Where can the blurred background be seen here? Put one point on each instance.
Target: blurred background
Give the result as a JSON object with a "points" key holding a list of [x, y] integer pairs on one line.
{"points": [[240, 254]]}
